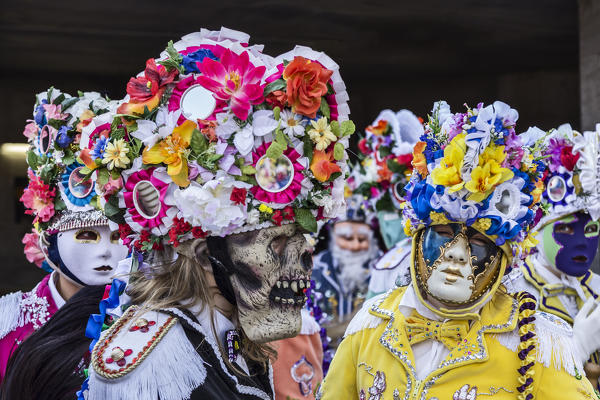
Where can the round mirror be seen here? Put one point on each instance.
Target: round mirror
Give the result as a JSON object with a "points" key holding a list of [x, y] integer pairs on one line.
{"points": [[274, 175], [45, 139], [78, 185], [197, 103], [398, 190], [557, 188], [146, 199]]}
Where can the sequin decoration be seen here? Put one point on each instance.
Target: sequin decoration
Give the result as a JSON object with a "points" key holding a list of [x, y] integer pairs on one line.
{"points": [[34, 310], [119, 356], [303, 372], [142, 325]]}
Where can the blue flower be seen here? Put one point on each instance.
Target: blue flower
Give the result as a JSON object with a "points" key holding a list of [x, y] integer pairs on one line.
{"points": [[189, 61], [98, 151], [40, 114], [62, 138]]}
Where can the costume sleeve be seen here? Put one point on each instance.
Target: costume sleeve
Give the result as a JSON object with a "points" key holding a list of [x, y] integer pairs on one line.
{"points": [[340, 382]]}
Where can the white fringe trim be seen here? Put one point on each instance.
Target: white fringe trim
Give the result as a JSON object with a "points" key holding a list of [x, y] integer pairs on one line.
{"points": [[363, 319], [309, 324], [515, 282], [170, 372], [209, 338], [555, 344], [10, 311]]}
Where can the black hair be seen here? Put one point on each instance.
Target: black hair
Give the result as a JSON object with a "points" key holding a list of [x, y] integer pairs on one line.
{"points": [[49, 364]]}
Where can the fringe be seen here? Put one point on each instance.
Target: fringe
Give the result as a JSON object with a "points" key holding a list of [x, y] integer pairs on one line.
{"points": [[309, 324], [170, 372], [556, 347], [363, 319], [10, 312], [514, 282]]}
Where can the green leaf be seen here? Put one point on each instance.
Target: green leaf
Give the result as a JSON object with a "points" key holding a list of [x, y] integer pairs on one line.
{"points": [[324, 108], [384, 151], [248, 170], [174, 60], [338, 151], [281, 139], [347, 128], [32, 160], [198, 143], [335, 128], [56, 123], [306, 219], [276, 113], [85, 171], [308, 147], [279, 84], [68, 103], [59, 99], [103, 176], [112, 210], [275, 151], [115, 174], [395, 166], [334, 176], [173, 53], [214, 157], [385, 203], [59, 204], [69, 157]]}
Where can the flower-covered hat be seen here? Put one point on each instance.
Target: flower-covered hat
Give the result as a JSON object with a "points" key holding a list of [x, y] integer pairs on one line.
{"points": [[473, 168], [572, 179], [62, 194], [387, 164], [216, 138]]}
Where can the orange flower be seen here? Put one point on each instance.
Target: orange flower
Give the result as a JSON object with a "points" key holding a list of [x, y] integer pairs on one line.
{"points": [[383, 171], [322, 166], [419, 161], [84, 120], [306, 84], [379, 128], [134, 107]]}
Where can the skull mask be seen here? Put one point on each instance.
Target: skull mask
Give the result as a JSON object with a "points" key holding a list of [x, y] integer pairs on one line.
{"points": [[456, 264], [268, 270]]}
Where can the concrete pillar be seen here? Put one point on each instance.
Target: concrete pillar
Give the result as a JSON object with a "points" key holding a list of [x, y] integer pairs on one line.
{"points": [[589, 71]]}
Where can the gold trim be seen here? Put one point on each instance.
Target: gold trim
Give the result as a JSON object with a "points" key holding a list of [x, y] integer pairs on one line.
{"points": [[107, 337]]}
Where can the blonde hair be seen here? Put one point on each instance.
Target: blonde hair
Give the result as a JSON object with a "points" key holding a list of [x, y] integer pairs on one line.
{"points": [[183, 283]]}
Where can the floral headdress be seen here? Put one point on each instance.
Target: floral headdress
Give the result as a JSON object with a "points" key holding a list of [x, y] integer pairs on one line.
{"points": [[572, 179], [387, 148], [216, 138], [473, 168], [61, 195]]}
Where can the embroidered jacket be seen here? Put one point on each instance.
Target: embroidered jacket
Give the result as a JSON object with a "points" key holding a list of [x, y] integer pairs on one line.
{"points": [[547, 294], [168, 355], [375, 360], [337, 302], [20, 315]]}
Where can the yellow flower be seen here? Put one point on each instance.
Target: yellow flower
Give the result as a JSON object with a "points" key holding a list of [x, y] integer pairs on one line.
{"points": [[482, 224], [321, 134], [115, 154], [172, 151], [407, 228], [438, 218], [448, 172], [488, 174], [265, 209], [537, 192]]}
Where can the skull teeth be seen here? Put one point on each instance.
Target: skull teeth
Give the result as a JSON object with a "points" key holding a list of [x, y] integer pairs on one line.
{"points": [[294, 286]]}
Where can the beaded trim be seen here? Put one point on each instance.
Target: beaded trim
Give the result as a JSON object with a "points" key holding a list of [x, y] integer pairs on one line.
{"points": [[99, 364], [527, 345], [67, 220]]}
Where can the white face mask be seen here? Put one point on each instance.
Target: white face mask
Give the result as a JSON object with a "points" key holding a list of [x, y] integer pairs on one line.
{"points": [[91, 254], [452, 280]]}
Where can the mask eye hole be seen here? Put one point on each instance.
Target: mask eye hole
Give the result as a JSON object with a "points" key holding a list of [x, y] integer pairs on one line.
{"points": [[87, 236], [478, 240], [592, 229], [278, 244], [564, 229], [444, 231], [114, 237]]}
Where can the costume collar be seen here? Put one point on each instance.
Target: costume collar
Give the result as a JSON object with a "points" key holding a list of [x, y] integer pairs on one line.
{"points": [[221, 322], [58, 299], [496, 316]]}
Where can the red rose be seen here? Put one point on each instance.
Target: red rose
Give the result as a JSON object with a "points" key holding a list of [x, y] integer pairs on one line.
{"points": [[197, 232], [289, 213], [238, 196], [405, 159], [362, 146], [277, 217], [567, 158]]}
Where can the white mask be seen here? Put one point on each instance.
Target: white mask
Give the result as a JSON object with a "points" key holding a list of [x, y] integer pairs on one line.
{"points": [[91, 254]]}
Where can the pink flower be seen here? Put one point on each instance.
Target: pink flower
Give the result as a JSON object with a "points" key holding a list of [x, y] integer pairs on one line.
{"points": [[233, 79], [32, 249], [31, 130], [38, 198], [53, 112], [112, 186]]}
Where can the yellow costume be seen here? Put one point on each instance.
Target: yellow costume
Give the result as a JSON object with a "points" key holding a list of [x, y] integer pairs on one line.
{"points": [[375, 360]]}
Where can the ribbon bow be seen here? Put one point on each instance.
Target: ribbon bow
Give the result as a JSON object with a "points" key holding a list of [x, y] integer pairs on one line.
{"points": [[450, 333]]}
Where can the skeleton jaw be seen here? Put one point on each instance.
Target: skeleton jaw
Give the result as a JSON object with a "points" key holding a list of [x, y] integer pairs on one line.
{"points": [[289, 292]]}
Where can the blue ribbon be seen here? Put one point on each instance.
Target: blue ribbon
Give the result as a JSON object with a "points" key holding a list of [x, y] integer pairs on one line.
{"points": [[95, 322]]}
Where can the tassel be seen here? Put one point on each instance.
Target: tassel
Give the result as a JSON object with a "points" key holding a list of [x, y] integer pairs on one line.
{"points": [[10, 310]]}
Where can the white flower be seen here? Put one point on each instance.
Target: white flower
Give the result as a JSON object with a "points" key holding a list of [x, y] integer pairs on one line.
{"points": [[151, 133], [292, 124], [209, 206], [532, 135], [226, 125], [83, 103], [253, 216], [334, 206], [263, 122], [244, 140], [443, 111]]}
